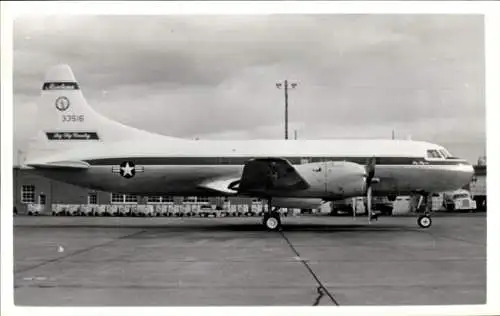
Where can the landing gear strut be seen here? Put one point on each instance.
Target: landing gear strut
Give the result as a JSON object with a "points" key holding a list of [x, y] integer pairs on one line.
{"points": [[424, 220], [271, 218]]}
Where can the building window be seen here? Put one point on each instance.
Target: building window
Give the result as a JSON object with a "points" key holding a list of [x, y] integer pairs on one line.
{"points": [[92, 199], [167, 199], [154, 199], [130, 198], [161, 199], [202, 199], [190, 199], [28, 193], [123, 198], [116, 198]]}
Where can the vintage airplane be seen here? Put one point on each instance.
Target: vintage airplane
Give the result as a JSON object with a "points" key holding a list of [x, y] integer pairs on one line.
{"points": [[77, 145]]}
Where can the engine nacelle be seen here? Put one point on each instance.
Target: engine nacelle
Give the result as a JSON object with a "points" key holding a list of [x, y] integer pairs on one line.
{"points": [[334, 179]]}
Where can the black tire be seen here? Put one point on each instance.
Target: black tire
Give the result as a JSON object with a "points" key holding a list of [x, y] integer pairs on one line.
{"points": [[424, 221], [387, 211], [450, 207], [272, 222]]}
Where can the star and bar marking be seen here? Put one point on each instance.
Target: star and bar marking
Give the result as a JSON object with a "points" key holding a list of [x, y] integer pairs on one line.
{"points": [[127, 169]]}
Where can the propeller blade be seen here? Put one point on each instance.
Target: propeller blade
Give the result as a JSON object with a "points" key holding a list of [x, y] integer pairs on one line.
{"points": [[369, 203], [370, 173], [370, 170]]}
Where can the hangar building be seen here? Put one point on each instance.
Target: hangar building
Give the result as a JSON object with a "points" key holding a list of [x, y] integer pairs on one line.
{"points": [[34, 189]]}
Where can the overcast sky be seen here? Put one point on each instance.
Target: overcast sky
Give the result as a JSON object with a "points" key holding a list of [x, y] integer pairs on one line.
{"points": [[214, 76]]}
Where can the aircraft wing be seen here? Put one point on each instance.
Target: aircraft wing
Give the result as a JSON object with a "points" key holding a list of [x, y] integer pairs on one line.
{"points": [[262, 176]]}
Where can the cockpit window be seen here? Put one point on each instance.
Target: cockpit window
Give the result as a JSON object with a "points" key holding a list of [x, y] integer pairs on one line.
{"points": [[444, 153], [433, 153]]}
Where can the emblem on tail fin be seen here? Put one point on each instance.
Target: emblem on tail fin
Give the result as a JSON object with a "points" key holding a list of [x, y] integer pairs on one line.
{"points": [[127, 169], [62, 103]]}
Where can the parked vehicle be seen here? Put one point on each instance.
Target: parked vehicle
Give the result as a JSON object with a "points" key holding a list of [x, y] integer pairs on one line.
{"points": [[346, 206], [207, 210], [459, 200], [478, 191], [35, 209], [383, 205]]}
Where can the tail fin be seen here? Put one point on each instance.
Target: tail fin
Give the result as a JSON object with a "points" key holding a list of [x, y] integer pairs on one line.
{"points": [[65, 120]]}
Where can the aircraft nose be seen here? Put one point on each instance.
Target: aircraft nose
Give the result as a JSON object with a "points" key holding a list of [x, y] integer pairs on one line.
{"points": [[466, 170]]}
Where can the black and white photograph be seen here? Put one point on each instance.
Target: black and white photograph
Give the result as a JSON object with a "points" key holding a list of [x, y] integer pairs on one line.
{"points": [[249, 160]]}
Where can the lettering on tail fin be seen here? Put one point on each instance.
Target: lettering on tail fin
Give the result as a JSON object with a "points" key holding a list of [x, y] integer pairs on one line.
{"points": [[72, 136], [60, 86]]}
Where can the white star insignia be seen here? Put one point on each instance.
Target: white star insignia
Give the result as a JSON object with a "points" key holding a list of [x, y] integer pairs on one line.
{"points": [[127, 170]]}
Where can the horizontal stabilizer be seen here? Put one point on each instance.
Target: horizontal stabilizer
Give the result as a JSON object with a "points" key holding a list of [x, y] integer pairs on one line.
{"points": [[265, 175], [61, 164]]}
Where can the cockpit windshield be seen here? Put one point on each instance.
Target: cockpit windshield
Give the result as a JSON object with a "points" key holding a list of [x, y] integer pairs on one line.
{"points": [[446, 154], [434, 154]]}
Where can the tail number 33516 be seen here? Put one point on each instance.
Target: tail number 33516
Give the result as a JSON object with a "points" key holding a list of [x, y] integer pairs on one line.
{"points": [[73, 118]]}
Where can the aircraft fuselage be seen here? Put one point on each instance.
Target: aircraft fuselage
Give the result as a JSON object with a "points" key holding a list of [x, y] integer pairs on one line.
{"points": [[183, 175]]}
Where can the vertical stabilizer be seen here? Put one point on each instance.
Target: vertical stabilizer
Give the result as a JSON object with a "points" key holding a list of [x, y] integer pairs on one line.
{"points": [[65, 120]]}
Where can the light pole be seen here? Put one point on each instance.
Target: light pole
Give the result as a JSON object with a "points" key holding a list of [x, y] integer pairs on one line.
{"points": [[286, 85]]}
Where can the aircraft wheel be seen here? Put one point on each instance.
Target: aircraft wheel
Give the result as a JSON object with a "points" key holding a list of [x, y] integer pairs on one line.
{"points": [[272, 222], [424, 221]]}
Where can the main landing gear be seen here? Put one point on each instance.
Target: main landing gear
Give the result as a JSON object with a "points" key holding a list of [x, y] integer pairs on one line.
{"points": [[272, 219], [424, 220]]}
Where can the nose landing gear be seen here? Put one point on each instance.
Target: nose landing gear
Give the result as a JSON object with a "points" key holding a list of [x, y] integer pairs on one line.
{"points": [[424, 220]]}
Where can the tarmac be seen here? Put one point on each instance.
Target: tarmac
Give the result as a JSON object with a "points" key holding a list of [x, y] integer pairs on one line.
{"points": [[315, 260]]}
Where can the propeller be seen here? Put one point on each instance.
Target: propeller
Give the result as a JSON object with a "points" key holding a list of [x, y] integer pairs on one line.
{"points": [[370, 170], [370, 173]]}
